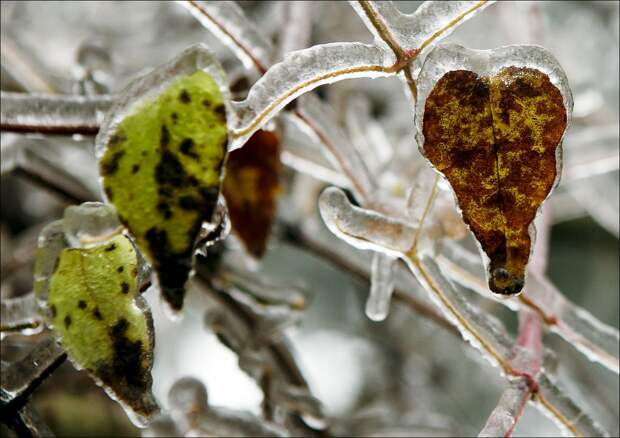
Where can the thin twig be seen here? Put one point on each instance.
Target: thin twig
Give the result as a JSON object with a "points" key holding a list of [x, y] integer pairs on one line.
{"points": [[293, 236], [279, 351]]}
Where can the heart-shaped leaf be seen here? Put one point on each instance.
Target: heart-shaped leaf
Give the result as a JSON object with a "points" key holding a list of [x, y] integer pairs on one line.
{"points": [[251, 188], [163, 151], [492, 123]]}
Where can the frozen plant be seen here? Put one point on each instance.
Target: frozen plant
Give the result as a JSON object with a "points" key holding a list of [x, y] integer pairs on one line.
{"points": [[214, 161]]}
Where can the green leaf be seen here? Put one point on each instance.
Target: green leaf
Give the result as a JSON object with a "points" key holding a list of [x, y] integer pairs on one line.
{"points": [[162, 169], [102, 323]]}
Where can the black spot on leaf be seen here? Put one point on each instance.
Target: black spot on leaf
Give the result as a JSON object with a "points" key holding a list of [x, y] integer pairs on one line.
{"points": [[188, 202], [164, 138], [220, 110], [110, 167], [97, 314], [187, 148], [184, 97]]}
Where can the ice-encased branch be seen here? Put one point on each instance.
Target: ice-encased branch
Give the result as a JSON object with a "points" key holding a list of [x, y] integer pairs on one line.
{"points": [[52, 114], [511, 405], [302, 71], [297, 26], [226, 20], [20, 378], [527, 359], [19, 313], [321, 120], [599, 342], [413, 34], [371, 230], [242, 321]]}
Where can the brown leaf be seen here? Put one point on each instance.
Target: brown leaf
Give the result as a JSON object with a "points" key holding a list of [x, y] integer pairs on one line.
{"points": [[495, 140], [251, 188]]}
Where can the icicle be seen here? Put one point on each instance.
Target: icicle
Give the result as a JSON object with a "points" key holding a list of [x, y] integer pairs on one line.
{"points": [[381, 286]]}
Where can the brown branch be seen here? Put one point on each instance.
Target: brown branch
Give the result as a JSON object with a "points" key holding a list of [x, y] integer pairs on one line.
{"points": [[384, 33], [90, 130], [259, 65]]}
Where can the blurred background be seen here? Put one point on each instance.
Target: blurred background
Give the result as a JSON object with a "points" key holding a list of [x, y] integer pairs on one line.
{"points": [[400, 377]]}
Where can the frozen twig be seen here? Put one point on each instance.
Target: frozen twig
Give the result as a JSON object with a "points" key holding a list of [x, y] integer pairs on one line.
{"points": [[511, 405], [52, 114], [226, 20], [21, 378], [489, 338], [527, 360], [597, 341], [297, 24], [19, 313], [278, 350]]}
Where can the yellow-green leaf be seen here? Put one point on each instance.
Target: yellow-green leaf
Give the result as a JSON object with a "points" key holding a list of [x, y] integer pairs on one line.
{"points": [[101, 322], [162, 170]]}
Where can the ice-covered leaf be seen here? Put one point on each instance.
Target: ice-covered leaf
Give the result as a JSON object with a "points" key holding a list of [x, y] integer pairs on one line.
{"points": [[300, 72], [162, 148], [88, 278], [251, 187], [431, 22], [492, 122], [227, 21], [102, 323]]}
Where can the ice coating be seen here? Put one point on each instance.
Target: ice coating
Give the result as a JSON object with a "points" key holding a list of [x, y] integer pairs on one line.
{"points": [[59, 114], [504, 417], [498, 99], [364, 229], [20, 311], [227, 21], [187, 394], [381, 287], [597, 341], [432, 21], [300, 72], [89, 222], [50, 243], [581, 423]]}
